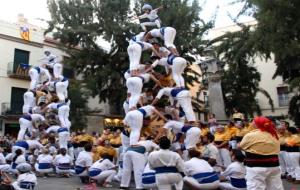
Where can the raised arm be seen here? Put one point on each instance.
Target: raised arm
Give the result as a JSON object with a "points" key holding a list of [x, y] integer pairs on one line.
{"points": [[156, 81], [160, 115]]}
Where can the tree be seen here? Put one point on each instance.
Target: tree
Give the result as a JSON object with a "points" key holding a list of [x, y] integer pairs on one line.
{"points": [[83, 22], [277, 33], [240, 82], [78, 108]]}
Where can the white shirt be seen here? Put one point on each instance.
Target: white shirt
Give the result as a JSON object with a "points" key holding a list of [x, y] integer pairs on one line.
{"points": [[53, 128], [166, 158], [211, 151], [103, 165], [37, 117], [28, 177], [20, 159], [84, 159], [60, 159], [2, 159], [52, 106], [151, 16], [148, 109], [34, 144], [164, 91], [176, 126], [45, 158], [149, 145], [156, 33], [137, 38], [235, 170], [196, 166]]}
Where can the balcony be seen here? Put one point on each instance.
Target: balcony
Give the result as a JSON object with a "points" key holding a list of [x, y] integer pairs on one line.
{"points": [[19, 71], [11, 109]]}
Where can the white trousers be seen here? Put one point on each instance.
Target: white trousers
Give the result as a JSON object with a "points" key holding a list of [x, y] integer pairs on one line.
{"points": [[34, 77], [63, 116], [178, 67], [24, 125], [106, 176], [259, 178], [295, 166], [134, 87], [204, 186], [155, 23], [225, 156], [283, 161], [57, 70], [228, 186], [185, 101], [63, 138], [133, 161], [29, 101], [134, 119], [169, 37], [134, 52], [59, 171], [165, 181], [62, 90], [192, 137]]}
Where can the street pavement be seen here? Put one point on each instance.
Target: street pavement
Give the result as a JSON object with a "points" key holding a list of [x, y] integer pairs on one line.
{"points": [[73, 183]]}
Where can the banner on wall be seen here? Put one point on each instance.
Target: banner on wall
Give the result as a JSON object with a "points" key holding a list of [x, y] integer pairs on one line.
{"points": [[25, 33]]}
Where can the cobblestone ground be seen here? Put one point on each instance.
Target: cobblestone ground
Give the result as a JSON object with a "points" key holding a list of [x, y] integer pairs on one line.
{"points": [[74, 184]]}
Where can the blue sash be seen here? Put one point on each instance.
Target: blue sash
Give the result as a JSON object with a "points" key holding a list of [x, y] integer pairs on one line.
{"points": [[51, 60], [178, 136], [238, 183], [22, 144], [148, 178], [121, 164], [79, 169], [14, 166], [64, 79], [44, 166], [143, 80], [27, 185], [62, 129], [181, 113], [171, 58], [138, 149], [27, 117], [176, 91], [165, 169], [142, 111], [186, 128], [38, 69], [133, 38], [126, 133], [64, 166], [60, 105], [206, 177], [24, 65], [162, 31], [94, 172], [141, 44], [153, 20]]}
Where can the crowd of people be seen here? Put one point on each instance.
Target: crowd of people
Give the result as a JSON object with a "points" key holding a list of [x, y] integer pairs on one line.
{"points": [[178, 151]]}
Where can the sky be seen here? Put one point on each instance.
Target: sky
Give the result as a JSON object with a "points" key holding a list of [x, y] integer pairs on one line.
{"points": [[34, 10]]}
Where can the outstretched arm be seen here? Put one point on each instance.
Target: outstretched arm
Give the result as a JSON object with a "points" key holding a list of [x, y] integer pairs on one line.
{"points": [[156, 81], [160, 115]]}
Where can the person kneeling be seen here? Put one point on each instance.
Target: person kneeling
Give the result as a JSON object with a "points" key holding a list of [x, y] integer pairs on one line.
{"points": [[103, 171], [63, 163], [199, 174]]}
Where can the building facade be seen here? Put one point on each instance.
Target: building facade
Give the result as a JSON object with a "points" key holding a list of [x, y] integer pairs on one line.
{"points": [[278, 90]]}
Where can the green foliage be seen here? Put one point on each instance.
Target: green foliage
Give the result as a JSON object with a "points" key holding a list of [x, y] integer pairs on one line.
{"points": [[240, 82], [81, 23], [277, 32], [78, 108]]}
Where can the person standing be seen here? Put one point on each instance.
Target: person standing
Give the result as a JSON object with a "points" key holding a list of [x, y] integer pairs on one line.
{"points": [[262, 148]]}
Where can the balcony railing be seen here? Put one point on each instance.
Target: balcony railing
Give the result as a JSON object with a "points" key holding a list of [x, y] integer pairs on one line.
{"points": [[9, 109], [19, 71]]}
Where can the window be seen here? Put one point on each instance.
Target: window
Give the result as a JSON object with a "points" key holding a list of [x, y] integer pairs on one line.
{"points": [[283, 96], [16, 100], [21, 57], [206, 100]]}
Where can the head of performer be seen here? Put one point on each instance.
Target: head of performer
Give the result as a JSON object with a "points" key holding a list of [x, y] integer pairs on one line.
{"points": [[237, 155], [47, 52], [147, 8], [24, 168], [164, 143], [220, 129], [88, 147], [193, 153], [209, 138], [266, 125], [63, 151], [46, 151]]}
